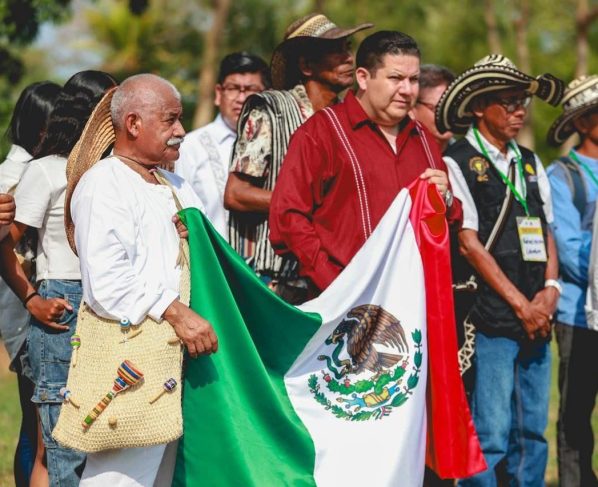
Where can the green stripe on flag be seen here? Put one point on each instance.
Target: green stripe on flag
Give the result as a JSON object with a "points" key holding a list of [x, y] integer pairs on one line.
{"points": [[239, 425]]}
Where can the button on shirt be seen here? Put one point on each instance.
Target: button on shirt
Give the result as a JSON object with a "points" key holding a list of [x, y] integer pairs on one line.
{"points": [[203, 163], [501, 161], [126, 240]]}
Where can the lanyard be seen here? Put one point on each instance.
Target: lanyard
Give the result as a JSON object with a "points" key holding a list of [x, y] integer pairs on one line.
{"points": [[520, 198], [586, 168]]}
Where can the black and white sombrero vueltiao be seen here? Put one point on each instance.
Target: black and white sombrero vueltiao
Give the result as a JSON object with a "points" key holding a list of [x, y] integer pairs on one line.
{"points": [[581, 97], [491, 74]]}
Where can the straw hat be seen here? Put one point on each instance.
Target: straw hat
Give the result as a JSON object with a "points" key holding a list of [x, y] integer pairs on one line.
{"points": [[98, 135], [490, 74], [581, 96], [284, 69]]}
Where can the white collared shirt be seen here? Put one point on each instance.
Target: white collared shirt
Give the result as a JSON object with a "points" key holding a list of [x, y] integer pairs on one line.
{"points": [[126, 240], [40, 204], [13, 167], [501, 161], [198, 165]]}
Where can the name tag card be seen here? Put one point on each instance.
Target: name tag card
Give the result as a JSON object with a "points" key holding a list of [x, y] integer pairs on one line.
{"points": [[531, 239]]}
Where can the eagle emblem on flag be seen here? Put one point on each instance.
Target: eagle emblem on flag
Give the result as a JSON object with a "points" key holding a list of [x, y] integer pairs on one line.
{"points": [[369, 355]]}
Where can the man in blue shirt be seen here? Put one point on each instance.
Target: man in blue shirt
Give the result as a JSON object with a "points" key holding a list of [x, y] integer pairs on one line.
{"points": [[574, 186]]}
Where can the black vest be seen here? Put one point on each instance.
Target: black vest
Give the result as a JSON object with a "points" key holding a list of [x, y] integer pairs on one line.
{"points": [[490, 313]]}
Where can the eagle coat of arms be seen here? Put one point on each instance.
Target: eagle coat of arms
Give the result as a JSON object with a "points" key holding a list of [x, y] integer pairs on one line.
{"points": [[369, 356]]}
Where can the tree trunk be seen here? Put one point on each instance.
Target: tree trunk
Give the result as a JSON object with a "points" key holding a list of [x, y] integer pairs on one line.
{"points": [[319, 6], [583, 18], [204, 111], [492, 27], [526, 135]]}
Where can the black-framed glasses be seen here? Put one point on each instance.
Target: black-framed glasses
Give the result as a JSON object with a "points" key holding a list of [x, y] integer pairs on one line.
{"points": [[232, 91], [514, 103]]}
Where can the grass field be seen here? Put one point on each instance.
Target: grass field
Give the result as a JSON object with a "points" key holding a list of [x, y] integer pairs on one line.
{"points": [[10, 420]]}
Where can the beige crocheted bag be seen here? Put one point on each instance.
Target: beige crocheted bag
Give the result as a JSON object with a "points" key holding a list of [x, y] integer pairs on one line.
{"points": [[129, 420]]}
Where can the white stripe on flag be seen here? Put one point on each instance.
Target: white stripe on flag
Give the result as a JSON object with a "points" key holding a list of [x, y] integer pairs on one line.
{"points": [[344, 402]]}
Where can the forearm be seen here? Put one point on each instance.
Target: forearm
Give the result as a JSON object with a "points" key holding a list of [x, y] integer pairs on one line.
{"points": [[10, 269], [552, 266], [241, 195]]}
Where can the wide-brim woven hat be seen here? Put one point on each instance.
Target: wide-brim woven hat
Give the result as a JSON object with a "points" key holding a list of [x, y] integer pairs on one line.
{"points": [[314, 27], [98, 135], [581, 97], [491, 74]]}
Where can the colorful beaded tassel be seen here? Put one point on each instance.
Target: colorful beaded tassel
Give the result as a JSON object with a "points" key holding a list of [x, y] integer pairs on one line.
{"points": [[128, 376], [75, 343]]}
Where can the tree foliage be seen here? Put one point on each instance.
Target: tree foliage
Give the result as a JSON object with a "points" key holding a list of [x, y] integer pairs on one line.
{"points": [[167, 37]]}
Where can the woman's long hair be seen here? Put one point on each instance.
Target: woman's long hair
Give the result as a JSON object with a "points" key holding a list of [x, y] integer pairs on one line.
{"points": [[30, 115], [73, 106]]}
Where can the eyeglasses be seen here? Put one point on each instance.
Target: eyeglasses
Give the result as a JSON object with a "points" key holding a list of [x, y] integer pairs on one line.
{"points": [[514, 103], [233, 91]]}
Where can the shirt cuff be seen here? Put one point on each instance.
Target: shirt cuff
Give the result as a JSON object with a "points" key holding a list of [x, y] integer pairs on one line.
{"points": [[157, 310]]}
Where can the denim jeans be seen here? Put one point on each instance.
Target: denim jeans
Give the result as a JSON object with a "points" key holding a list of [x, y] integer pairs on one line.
{"points": [[49, 355], [578, 386], [509, 404]]}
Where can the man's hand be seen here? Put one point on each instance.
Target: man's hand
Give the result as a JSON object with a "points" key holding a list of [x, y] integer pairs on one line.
{"points": [[49, 311], [181, 229], [546, 302], [196, 333], [535, 320], [437, 177], [7, 209]]}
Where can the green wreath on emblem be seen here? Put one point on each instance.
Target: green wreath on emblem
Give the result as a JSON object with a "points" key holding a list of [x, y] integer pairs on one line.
{"points": [[387, 388]]}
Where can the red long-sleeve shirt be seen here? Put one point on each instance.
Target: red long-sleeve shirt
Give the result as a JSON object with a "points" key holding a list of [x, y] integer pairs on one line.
{"points": [[326, 203]]}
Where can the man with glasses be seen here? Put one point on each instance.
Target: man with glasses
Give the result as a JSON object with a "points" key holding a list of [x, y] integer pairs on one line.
{"points": [[433, 82], [205, 153], [497, 180], [310, 68]]}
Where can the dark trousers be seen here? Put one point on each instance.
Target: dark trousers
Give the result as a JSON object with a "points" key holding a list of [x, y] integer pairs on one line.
{"points": [[27, 443], [578, 385]]}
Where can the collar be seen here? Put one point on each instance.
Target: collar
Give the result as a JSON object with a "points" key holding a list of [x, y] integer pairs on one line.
{"points": [[586, 159], [220, 130], [18, 154], [492, 150]]}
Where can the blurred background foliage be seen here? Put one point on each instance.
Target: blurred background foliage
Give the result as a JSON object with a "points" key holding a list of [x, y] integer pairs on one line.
{"points": [[183, 40]]}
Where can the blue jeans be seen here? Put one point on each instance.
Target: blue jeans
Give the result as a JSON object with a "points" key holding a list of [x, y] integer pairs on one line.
{"points": [[509, 404], [49, 355]]}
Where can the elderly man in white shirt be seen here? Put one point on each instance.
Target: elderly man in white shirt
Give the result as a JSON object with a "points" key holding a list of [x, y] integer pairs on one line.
{"points": [[205, 153], [128, 247]]}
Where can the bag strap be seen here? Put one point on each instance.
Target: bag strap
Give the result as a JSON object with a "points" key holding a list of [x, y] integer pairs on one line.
{"points": [[502, 216], [183, 257], [471, 283], [576, 182]]}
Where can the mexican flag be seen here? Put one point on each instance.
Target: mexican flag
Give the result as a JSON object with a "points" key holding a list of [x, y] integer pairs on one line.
{"points": [[357, 387]]}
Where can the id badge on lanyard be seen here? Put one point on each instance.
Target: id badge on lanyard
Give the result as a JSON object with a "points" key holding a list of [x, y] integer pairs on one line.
{"points": [[531, 238]]}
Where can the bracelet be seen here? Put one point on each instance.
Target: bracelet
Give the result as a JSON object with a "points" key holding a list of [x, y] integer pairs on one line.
{"points": [[555, 284], [29, 298]]}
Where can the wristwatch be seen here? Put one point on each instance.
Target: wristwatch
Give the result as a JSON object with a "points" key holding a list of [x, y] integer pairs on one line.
{"points": [[555, 284], [448, 198]]}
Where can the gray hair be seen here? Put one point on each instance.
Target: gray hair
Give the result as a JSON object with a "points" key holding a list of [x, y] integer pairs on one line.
{"points": [[137, 93]]}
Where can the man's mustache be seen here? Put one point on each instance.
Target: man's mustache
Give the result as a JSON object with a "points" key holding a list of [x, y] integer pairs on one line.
{"points": [[175, 141]]}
